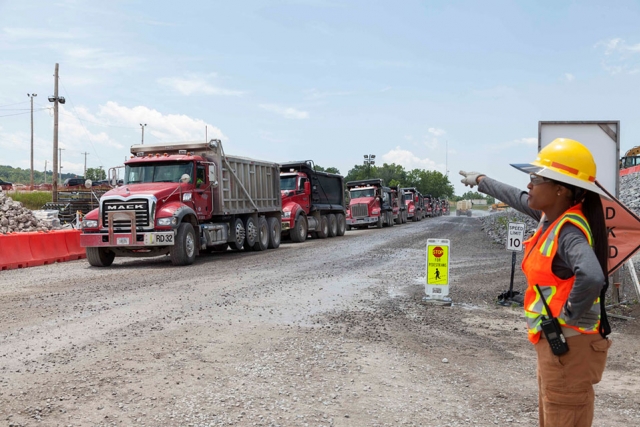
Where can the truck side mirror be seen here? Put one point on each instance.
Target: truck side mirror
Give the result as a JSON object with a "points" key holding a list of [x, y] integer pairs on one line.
{"points": [[307, 187], [213, 176]]}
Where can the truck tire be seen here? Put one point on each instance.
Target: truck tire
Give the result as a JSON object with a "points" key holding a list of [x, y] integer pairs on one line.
{"points": [[469, 213], [404, 217], [275, 230], [391, 220], [262, 242], [333, 225], [183, 252], [237, 235], [323, 231], [414, 218], [398, 219], [251, 233], [342, 224], [348, 228], [100, 257], [299, 232], [380, 222]]}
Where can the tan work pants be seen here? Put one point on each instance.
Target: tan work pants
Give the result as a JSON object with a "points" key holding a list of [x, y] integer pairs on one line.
{"points": [[565, 383]]}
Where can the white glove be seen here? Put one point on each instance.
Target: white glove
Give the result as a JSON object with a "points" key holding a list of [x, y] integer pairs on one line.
{"points": [[470, 178]]}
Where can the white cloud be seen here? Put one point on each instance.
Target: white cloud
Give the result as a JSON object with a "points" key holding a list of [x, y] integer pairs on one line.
{"points": [[194, 84], [619, 56], [569, 77], [409, 160], [437, 132], [286, 112], [514, 143], [165, 127], [314, 94]]}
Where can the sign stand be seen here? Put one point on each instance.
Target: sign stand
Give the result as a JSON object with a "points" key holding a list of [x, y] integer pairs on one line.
{"points": [[437, 278], [515, 237]]}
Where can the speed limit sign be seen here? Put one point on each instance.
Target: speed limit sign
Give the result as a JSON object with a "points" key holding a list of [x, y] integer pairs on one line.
{"points": [[515, 236]]}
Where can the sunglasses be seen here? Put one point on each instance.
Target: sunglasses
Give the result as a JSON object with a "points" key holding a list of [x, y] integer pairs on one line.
{"points": [[537, 179]]}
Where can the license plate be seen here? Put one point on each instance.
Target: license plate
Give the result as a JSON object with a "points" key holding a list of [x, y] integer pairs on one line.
{"points": [[122, 241], [151, 239]]}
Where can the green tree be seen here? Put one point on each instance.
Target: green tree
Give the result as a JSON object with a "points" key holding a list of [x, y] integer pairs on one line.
{"points": [[330, 169], [430, 182], [96, 174]]}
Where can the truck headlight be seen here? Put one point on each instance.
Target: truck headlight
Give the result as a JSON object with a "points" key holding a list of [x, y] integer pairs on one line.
{"points": [[165, 222], [89, 223], [412, 208], [286, 215], [186, 197], [375, 212]]}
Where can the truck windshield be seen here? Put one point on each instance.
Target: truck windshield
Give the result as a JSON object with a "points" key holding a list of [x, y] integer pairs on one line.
{"points": [[157, 172], [408, 196], [365, 192], [288, 182]]}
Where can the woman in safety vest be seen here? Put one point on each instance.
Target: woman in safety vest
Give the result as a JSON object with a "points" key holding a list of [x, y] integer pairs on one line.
{"points": [[567, 259]]}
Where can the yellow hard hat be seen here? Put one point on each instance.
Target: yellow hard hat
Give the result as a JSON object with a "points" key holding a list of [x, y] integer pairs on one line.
{"points": [[565, 160]]}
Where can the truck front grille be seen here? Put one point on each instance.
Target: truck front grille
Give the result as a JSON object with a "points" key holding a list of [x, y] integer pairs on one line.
{"points": [[140, 206], [359, 210]]}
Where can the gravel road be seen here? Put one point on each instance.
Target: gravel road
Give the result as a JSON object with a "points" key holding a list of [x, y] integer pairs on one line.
{"points": [[325, 333]]}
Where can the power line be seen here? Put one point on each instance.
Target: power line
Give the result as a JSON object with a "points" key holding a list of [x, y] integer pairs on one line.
{"points": [[80, 120], [96, 123], [26, 112], [17, 103]]}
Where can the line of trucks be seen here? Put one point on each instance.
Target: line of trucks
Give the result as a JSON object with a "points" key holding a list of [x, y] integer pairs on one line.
{"points": [[183, 199]]}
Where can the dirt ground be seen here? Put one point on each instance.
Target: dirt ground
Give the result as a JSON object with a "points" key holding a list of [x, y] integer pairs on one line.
{"points": [[325, 333]]}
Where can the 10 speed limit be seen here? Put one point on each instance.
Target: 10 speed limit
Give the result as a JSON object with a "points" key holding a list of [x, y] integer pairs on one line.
{"points": [[515, 236]]}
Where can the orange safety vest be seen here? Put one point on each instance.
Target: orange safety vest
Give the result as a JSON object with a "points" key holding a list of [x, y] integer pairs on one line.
{"points": [[540, 250]]}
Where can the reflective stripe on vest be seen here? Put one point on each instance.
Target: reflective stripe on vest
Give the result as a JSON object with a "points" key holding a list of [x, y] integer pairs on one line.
{"points": [[540, 250]]}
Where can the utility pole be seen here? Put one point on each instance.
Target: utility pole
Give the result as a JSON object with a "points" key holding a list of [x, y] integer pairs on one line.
{"points": [[142, 126], [56, 100], [31, 95], [45, 171], [85, 165]]}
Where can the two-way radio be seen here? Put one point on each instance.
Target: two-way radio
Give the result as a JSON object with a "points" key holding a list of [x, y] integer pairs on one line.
{"points": [[552, 329]]}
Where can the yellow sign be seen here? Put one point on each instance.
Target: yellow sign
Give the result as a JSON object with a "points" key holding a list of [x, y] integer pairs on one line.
{"points": [[438, 264]]}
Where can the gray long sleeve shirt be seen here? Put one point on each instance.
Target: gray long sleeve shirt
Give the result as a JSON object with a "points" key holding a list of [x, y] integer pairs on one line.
{"points": [[574, 256]]}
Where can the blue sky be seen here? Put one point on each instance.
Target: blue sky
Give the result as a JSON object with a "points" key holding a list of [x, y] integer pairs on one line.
{"points": [[323, 80]]}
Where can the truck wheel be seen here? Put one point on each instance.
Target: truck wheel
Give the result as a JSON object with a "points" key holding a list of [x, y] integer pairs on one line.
{"points": [[398, 219], [414, 218], [342, 224], [100, 257], [237, 235], [323, 231], [468, 213], [251, 233], [262, 242], [333, 225], [391, 220], [275, 232], [348, 228], [299, 232], [404, 217], [183, 252], [380, 222]]}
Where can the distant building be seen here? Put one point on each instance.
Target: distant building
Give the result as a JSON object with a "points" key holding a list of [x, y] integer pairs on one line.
{"points": [[479, 201]]}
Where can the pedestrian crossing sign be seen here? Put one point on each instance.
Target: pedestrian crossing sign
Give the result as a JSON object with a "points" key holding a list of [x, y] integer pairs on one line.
{"points": [[437, 278]]}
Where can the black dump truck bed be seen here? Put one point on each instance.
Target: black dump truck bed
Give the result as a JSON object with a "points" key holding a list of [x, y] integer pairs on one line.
{"points": [[327, 189]]}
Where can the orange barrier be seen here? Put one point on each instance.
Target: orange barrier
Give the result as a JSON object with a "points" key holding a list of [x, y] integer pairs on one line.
{"points": [[48, 247], [21, 250], [15, 251], [72, 238]]}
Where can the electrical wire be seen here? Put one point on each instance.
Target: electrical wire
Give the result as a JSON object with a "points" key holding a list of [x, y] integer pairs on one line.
{"points": [[81, 122], [26, 112], [17, 103]]}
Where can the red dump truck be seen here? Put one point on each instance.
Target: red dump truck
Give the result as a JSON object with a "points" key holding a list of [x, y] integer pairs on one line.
{"points": [[415, 203], [312, 202], [180, 199], [370, 203]]}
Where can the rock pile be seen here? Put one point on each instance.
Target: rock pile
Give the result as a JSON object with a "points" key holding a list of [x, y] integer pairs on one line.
{"points": [[495, 225], [15, 218]]}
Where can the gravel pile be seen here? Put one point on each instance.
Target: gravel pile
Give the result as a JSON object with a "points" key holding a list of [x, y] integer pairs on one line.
{"points": [[15, 218], [495, 225]]}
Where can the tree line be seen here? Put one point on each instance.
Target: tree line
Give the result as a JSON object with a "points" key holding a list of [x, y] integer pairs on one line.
{"points": [[23, 176]]}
